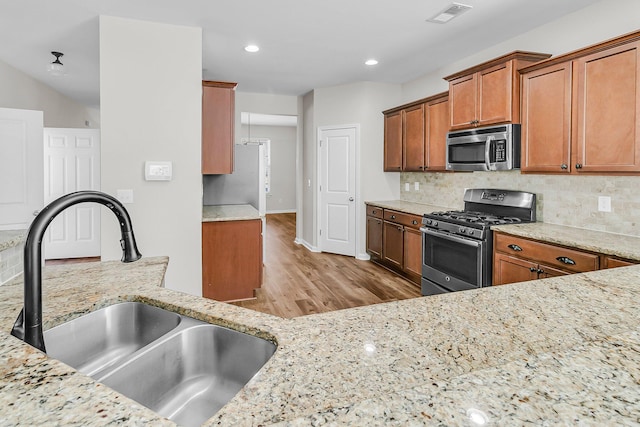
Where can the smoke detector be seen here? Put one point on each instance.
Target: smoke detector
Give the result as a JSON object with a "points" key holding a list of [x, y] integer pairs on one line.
{"points": [[450, 12]]}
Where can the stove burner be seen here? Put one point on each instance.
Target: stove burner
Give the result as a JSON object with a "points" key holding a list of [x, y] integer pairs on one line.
{"points": [[474, 217]]}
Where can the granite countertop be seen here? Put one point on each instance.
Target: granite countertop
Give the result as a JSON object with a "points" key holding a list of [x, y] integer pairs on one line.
{"points": [[555, 351], [229, 213], [408, 207], [11, 238], [589, 240]]}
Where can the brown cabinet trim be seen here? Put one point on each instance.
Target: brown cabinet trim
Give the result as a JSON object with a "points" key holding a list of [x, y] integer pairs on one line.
{"points": [[517, 55]]}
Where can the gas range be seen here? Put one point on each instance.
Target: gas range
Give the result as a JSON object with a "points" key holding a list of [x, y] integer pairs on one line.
{"points": [[457, 245]]}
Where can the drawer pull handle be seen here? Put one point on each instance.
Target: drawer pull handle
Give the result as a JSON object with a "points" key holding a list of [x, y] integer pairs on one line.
{"points": [[373, 212], [393, 217], [414, 222], [515, 248], [533, 269], [566, 260]]}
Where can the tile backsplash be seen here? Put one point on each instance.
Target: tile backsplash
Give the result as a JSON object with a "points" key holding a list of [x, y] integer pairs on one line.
{"points": [[10, 263], [561, 199]]}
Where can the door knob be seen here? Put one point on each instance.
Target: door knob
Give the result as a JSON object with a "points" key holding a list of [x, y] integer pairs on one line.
{"points": [[36, 212], [351, 199]]}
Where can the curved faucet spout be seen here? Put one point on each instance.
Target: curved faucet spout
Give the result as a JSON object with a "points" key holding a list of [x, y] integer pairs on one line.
{"points": [[28, 326]]}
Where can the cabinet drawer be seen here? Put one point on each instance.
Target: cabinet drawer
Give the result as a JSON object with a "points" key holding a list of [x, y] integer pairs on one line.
{"points": [[552, 255], [409, 220], [374, 211]]}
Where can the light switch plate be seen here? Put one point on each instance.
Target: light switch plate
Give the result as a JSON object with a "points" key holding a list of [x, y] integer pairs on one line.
{"points": [[407, 187], [416, 186]]}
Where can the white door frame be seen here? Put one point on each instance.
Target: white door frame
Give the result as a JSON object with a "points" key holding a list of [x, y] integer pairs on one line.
{"points": [[356, 165]]}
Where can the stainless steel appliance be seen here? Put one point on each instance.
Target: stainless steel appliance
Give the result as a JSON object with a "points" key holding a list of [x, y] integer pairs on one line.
{"points": [[457, 245], [484, 149]]}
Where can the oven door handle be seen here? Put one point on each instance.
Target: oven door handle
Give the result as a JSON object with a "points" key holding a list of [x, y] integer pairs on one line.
{"points": [[456, 239], [487, 152]]}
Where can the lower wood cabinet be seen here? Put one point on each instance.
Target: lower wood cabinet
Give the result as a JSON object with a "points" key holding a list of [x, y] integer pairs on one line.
{"points": [[395, 241], [231, 259], [517, 259]]}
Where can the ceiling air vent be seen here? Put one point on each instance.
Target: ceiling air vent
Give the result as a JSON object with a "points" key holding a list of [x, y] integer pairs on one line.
{"points": [[449, 13]]}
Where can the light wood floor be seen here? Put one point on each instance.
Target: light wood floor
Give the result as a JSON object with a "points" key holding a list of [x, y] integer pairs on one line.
{"points": [[297, 281]]}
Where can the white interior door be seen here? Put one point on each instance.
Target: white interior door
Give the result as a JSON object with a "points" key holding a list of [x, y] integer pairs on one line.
{"points": [[338, 190], [21, 192], [72, 163]]}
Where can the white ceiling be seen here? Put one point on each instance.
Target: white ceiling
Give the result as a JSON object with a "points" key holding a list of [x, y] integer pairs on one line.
{"points": [[305, 44]]}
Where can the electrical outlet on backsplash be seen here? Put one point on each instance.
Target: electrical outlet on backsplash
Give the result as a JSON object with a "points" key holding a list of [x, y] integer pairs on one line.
{"points": [[562, 200]]}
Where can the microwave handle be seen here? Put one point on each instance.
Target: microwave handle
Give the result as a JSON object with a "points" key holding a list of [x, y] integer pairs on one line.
{"points": [[487, 152]]}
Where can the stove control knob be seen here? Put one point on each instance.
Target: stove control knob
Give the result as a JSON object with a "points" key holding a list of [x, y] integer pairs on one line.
{"points": [[427, 221], [435, 223], [462, 230], [471, 232]]}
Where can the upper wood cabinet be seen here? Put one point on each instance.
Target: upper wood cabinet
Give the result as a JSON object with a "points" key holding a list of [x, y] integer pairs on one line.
{"points": [[581, 111], [488, 93], [415, 135], [218, 116]]}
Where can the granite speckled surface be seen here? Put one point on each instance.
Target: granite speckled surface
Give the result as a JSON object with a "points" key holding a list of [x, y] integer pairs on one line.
{"points": [[597, 241], [229, 213], [408, 207], [11, 238], [556, 351]]}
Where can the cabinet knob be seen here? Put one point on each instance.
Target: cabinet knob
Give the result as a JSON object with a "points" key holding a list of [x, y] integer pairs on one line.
{"points": [[393, 217], [578, 165], [373, 211], [515, 247], [564, 166], [399, 228], [533, 269], [540, 271], [414, 222], [566, 260]]}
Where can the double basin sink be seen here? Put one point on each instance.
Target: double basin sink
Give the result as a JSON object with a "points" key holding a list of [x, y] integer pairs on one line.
{"points": [[182, 368]]}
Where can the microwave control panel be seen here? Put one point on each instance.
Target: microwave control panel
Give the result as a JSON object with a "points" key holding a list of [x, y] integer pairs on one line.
{"points": [[499, 152]]}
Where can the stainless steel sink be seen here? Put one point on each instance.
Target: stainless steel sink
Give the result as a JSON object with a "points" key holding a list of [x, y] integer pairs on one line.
{"points": [[193, 373], [182, 368], [95, 341]]}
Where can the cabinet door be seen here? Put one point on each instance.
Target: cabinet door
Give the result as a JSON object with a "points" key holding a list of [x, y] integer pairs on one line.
{"points": [[508, 269], [412, 251], [546, 119], [607, 106], [544, 272], [495, 94], [393, 142], [413, 139], [374, 237], [393, 244], [463, 93], [231, 259], [218, 105], [613, 262], [437, 126]]}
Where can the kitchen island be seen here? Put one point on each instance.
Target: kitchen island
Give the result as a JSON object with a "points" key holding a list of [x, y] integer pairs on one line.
{"points": [[557, 351]]}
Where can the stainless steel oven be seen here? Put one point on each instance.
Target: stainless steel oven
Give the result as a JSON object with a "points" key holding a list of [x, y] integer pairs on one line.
{"points": [[457, 245], [452, 262]]}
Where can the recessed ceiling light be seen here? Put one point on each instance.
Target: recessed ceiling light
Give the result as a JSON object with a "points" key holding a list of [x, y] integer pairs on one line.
{"points": [[371, 62], [449, 13], [251, 48]]}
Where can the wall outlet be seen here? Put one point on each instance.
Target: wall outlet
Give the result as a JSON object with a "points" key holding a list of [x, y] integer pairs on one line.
{"points": [[407, 187], [416, 186], [125, 196], [604, 204]]}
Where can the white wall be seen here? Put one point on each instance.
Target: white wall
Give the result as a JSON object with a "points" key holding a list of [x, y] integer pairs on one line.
{"points": [[18, 90], [150, 84], [593, 24], [359, 103], [307, 215]]}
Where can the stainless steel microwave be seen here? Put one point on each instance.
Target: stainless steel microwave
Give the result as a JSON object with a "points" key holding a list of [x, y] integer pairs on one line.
{"points": [[492, 148]]}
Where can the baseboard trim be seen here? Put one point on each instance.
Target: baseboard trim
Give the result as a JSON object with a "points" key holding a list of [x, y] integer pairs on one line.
{"points": [[304, 243], [281, 211]]}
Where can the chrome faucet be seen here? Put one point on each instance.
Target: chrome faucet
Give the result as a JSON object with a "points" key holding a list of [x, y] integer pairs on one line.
{"points": [[28, 326]]}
